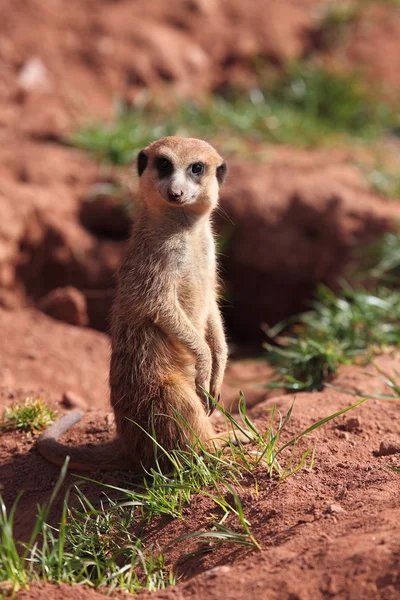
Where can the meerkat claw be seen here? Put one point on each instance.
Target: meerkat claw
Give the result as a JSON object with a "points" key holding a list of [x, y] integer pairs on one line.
{"points": [[213, 404]]}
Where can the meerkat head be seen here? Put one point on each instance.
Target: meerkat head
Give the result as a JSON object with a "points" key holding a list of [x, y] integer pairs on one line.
{"points": [[180, 173]]}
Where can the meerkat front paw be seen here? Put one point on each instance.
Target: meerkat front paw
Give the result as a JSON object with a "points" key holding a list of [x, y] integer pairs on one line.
{"points": [[216, 400], [203, 378], [202, 388]]}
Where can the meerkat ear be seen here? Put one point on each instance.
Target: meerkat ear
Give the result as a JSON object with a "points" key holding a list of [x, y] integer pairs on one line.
{"points": [[141, 162], [221, 172]]}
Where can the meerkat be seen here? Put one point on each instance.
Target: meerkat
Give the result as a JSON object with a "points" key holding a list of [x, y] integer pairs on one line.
{"points": [[168, 344]]}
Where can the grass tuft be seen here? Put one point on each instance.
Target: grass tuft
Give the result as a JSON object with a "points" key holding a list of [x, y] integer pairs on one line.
{"points": [[32, 416], [335, 20], [383, 259], [332, 99], [395, 469], [340, 328], [383, 179]]}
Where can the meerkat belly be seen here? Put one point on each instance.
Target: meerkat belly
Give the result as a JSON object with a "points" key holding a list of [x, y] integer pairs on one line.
{"points": [[194, 285], [193, 297]]}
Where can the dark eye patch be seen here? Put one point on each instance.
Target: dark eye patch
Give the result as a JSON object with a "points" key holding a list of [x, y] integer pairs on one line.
{"points": [[197, 168], [164, 166]]}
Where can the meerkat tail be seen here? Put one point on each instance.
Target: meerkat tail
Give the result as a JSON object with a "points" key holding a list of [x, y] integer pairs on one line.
{"points": [[107, 457]]}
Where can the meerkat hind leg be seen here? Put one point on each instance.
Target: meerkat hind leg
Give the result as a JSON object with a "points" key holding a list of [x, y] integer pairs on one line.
{"points": [[200, 424]]}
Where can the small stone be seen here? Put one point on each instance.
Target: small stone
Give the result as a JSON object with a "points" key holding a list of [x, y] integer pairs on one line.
{"points": [[222, 570], [389, 446], [334, 509], [33, 75], [352, 423], [66, 304], [333, 587], [344, 435], [73, 401]]}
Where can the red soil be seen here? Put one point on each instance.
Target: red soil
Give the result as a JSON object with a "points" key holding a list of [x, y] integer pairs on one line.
{"points": [[372, 46], [42, 354], [331, 532]]}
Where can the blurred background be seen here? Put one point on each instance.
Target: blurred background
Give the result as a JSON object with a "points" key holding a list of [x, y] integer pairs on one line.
{"points": [[300, 96]]}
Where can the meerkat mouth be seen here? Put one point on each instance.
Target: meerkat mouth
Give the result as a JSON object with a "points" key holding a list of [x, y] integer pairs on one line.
{"points": [[178, 200]]}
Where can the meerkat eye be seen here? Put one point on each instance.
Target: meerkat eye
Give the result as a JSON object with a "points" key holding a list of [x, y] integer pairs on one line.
{"points": [[163, 165], [197, 168]]}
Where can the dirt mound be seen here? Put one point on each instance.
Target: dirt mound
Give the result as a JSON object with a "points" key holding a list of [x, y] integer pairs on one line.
{"points": [[65, 592], [99, 50], [45, 356], [372, 46], [92, 53], [283, 234], [43, 244], [66, 304], [286, 233], [330, 532]]}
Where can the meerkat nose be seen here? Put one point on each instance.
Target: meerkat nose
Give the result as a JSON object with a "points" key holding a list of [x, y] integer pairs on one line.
{"points": [[175, 195]]}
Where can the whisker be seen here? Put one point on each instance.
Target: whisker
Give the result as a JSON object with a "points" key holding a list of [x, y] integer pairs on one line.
{"points": [[220, 210]]}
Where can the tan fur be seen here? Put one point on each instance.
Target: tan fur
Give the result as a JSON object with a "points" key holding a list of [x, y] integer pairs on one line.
{"points": [[167, 335]]}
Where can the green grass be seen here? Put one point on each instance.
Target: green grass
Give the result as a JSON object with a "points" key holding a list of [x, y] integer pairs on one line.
{"points": [[395, 3], [337, 17], [395, 469], [392, 382], [338, 330], [90, 546], [383, 179], [32, 416], [306, 105], [383, 260], [349, 327], [336, 100], [105, 545]]}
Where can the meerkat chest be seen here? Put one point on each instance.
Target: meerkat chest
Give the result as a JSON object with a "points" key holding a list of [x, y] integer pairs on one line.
{"points": [[196, 282]]}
